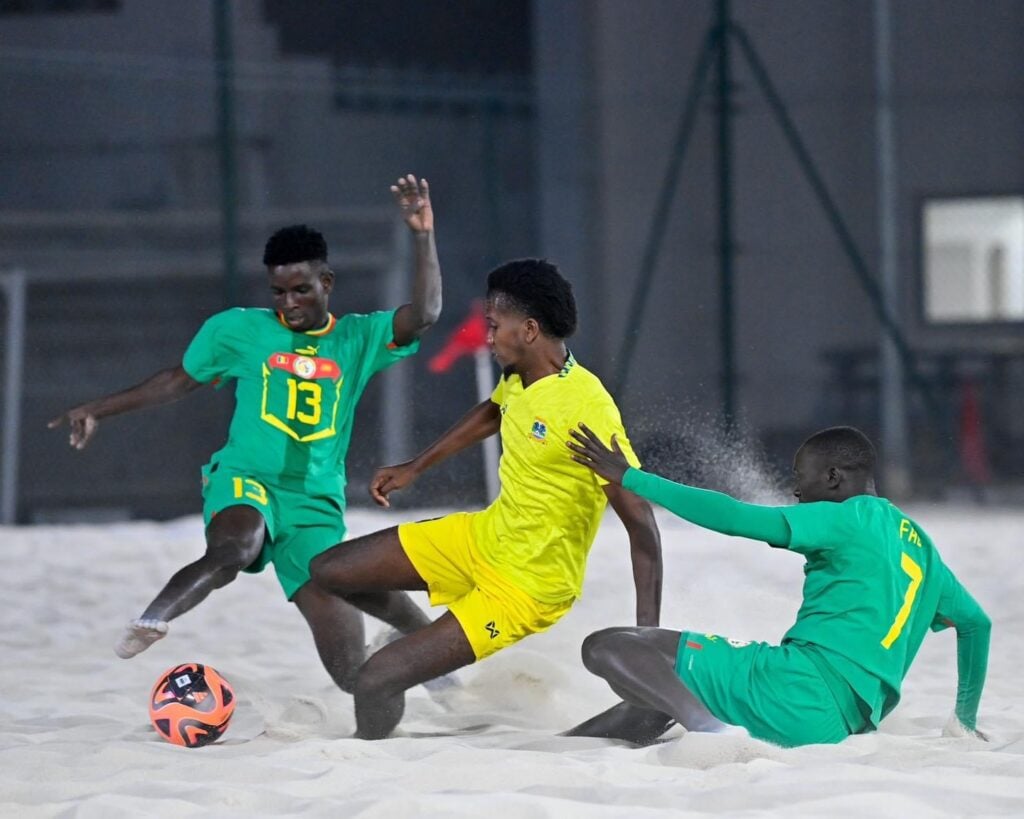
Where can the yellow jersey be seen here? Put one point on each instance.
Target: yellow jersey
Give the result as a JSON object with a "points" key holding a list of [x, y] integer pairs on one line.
{"points": [[539, 530]]}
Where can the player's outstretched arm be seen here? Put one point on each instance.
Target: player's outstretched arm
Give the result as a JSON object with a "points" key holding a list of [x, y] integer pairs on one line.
{"points": [[479, 423], [411, 320], [972, 642], [644, 550], [957, 608], [162, 388], [712, 510]]}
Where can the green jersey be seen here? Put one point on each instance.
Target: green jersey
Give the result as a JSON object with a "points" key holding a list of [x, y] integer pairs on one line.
{"points": [[874, 585], [295, 393]]}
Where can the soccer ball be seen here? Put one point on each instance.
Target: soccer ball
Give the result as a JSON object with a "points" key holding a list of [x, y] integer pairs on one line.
{"points": [[191, 705]]}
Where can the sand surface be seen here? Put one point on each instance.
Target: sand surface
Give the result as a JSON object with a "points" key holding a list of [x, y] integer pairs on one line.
{"points": [[75, 738]]}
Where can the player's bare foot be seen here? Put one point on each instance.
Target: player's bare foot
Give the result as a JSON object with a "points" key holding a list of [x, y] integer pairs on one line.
{"points": [[138, 636]]}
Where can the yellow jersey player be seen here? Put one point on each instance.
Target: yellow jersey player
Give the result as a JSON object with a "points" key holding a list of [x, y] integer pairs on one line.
{"points": [[275, 493], [516, 567]]}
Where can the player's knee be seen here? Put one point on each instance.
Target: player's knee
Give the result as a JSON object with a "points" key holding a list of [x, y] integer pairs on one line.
{"points": [[324, 571], [598, 648], [345, 678], [376, 679], [230, 556]]}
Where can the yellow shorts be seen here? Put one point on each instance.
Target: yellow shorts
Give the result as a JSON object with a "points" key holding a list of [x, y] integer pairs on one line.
{"points": [[493, 612]]}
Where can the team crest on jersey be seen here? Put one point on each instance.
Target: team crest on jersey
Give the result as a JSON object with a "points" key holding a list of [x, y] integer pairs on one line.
{"points": [[539, 430], [304, 367]]}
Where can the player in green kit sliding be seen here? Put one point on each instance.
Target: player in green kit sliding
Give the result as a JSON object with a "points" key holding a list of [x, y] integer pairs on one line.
{"points": [[874, 585], [276, 492]]}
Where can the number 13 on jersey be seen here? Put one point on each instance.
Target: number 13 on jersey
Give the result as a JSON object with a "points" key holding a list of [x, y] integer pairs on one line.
{"points": [[312, 400], [304, 409]]}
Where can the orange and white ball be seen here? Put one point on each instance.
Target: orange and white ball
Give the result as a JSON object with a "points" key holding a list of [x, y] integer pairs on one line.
{"points": [[191, 705]]}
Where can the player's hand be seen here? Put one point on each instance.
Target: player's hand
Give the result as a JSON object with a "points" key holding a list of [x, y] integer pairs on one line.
{"points": [[83, 425], [955, 728], [389, 478], [588, 450], [413, 199]]}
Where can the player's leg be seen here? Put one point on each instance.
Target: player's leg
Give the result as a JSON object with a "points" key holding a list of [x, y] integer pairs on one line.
{"points": [[375, 562], [234, 539], [626, 721], [336, 623], [437, 649], [306, 526], [369, 572], [632, 720], [395, 608], [337, 628], [639, 665]]}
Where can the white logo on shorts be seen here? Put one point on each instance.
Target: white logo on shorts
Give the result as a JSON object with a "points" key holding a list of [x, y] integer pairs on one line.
{"points": [[737, 643]]}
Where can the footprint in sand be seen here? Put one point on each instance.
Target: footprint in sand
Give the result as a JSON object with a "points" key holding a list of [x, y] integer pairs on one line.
{"points": [[304, 711]]}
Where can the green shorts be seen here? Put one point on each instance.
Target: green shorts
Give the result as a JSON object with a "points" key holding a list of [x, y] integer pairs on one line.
{"points": [[299, 525], [775, 692]]}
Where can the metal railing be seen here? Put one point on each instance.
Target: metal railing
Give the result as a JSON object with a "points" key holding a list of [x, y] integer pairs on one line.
{"points": [[13, 285]]}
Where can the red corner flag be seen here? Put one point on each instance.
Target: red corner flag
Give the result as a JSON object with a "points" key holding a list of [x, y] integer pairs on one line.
{"points": [[470, 339], [465, 339]]}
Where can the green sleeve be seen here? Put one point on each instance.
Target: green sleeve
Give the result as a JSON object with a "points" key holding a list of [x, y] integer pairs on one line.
{"points": [[214, 349], [378, 332], [712, 510], [369, 338], [973, 628]]}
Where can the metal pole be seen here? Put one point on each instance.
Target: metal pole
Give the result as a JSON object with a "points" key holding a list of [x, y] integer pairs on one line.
{"points": [[662, 209], [13, 285], [867, 280], [723, 111], [892, 403], [226, 139], [492, 200], [484, 387]]}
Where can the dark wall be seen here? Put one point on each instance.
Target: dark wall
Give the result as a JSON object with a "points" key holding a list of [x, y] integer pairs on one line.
{"points": [[959, 89], [116, 111]]}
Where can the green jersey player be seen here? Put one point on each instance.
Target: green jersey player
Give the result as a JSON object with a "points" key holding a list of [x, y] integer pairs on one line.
{"points": [[275, 492], [874, 585]]}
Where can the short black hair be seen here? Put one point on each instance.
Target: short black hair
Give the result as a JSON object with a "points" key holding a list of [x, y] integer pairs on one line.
{"points": [[295, 243], [845, 447], [536, 288]]}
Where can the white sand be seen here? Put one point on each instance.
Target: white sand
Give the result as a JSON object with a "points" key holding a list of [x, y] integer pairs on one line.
{"points": [[75, 739]]}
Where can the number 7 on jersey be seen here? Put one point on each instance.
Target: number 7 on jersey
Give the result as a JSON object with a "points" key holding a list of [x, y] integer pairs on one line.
{"points": [[913, 571]]}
